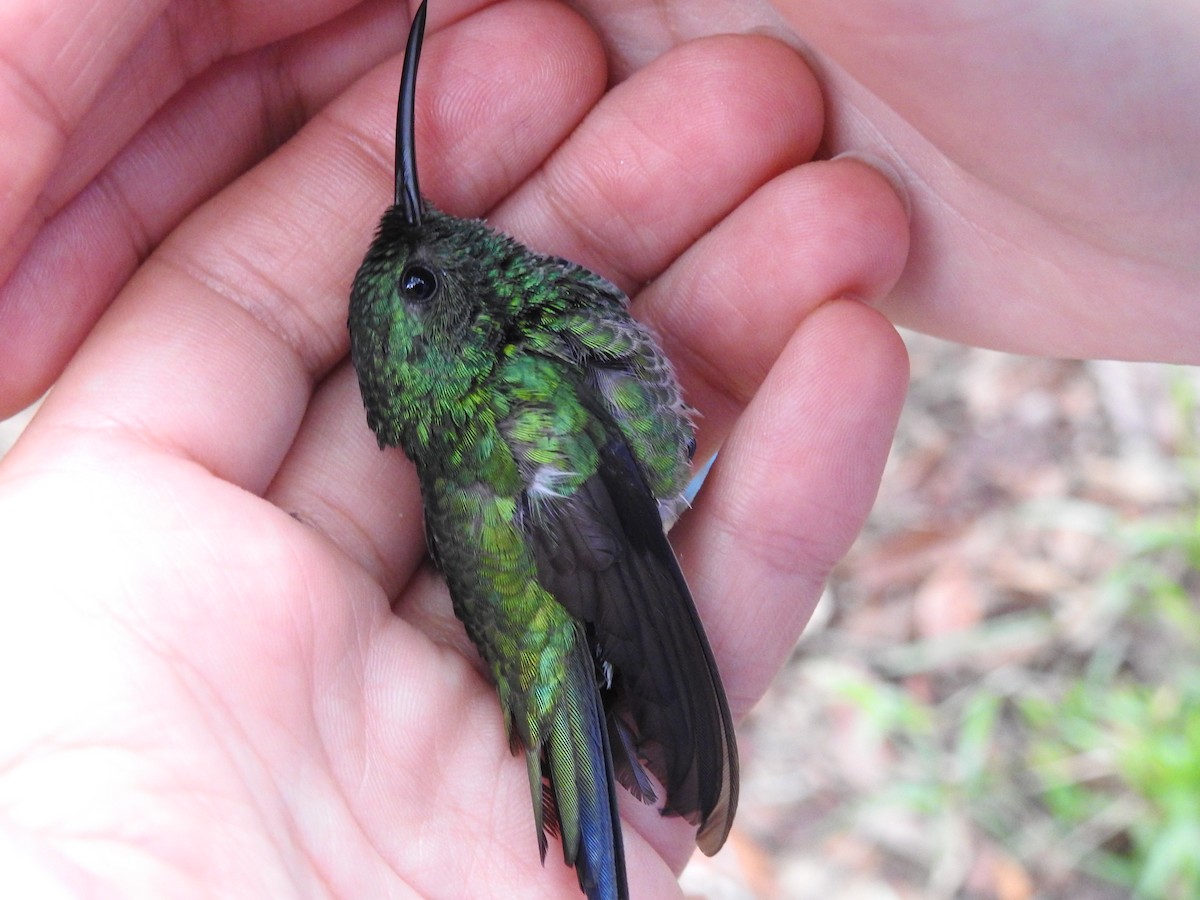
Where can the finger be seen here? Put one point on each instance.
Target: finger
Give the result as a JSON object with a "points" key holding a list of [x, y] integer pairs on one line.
{"points": [[224, 330], [54, 57], [791, 489], [83, 255], [108, 66], [612, 197], [190, 37], [823, 230]]}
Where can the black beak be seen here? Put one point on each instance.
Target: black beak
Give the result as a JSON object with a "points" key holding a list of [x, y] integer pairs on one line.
{"points": [[408, 192]]}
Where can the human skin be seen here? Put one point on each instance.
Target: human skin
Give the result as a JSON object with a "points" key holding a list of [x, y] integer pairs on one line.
{"points": [[1054, 190], [1047, 150], [226, 669]]}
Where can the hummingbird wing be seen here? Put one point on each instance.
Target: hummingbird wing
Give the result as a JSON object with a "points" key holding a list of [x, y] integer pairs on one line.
{"points": [[603, 554], [601, 433], [632, 377]]}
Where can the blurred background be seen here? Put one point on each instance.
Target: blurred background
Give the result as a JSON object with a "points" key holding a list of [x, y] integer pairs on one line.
{"points": [[999, 693]]}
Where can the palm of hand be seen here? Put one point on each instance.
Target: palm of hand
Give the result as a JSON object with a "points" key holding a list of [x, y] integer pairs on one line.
{"points": [[235, 710], [221, 697]]}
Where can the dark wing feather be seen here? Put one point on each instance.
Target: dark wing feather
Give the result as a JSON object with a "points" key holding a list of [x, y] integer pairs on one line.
{"points": [[603, 554]]}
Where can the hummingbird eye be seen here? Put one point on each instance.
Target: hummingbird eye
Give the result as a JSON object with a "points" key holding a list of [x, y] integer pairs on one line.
{"points": [[418, 283]]}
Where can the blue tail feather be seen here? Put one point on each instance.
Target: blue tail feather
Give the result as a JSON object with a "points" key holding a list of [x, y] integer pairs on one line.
{"points": [[580, 772]]}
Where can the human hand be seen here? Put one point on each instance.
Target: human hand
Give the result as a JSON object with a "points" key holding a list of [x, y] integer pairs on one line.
{"points": [[1048, 151], [226, 669], [121, 118]]}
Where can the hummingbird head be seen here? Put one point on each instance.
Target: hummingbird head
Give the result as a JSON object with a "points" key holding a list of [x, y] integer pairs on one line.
{"points": [[408, 275], [428, 308], [432, 273]]}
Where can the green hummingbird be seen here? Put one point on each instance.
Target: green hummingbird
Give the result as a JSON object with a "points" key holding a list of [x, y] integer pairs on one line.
{"points": [[551, 441]]}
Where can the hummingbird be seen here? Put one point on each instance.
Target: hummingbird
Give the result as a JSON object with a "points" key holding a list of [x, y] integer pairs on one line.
{"points": [[551, 443]]}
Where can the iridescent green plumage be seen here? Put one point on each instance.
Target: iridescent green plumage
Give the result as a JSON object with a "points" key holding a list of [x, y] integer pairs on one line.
{"points": [[549, 436]]}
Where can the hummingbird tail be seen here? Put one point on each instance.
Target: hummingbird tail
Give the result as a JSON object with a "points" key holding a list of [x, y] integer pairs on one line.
{"points": [[578, 790]]}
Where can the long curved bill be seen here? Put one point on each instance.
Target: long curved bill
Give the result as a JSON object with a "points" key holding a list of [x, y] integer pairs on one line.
{"points": [[408, 192]]}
